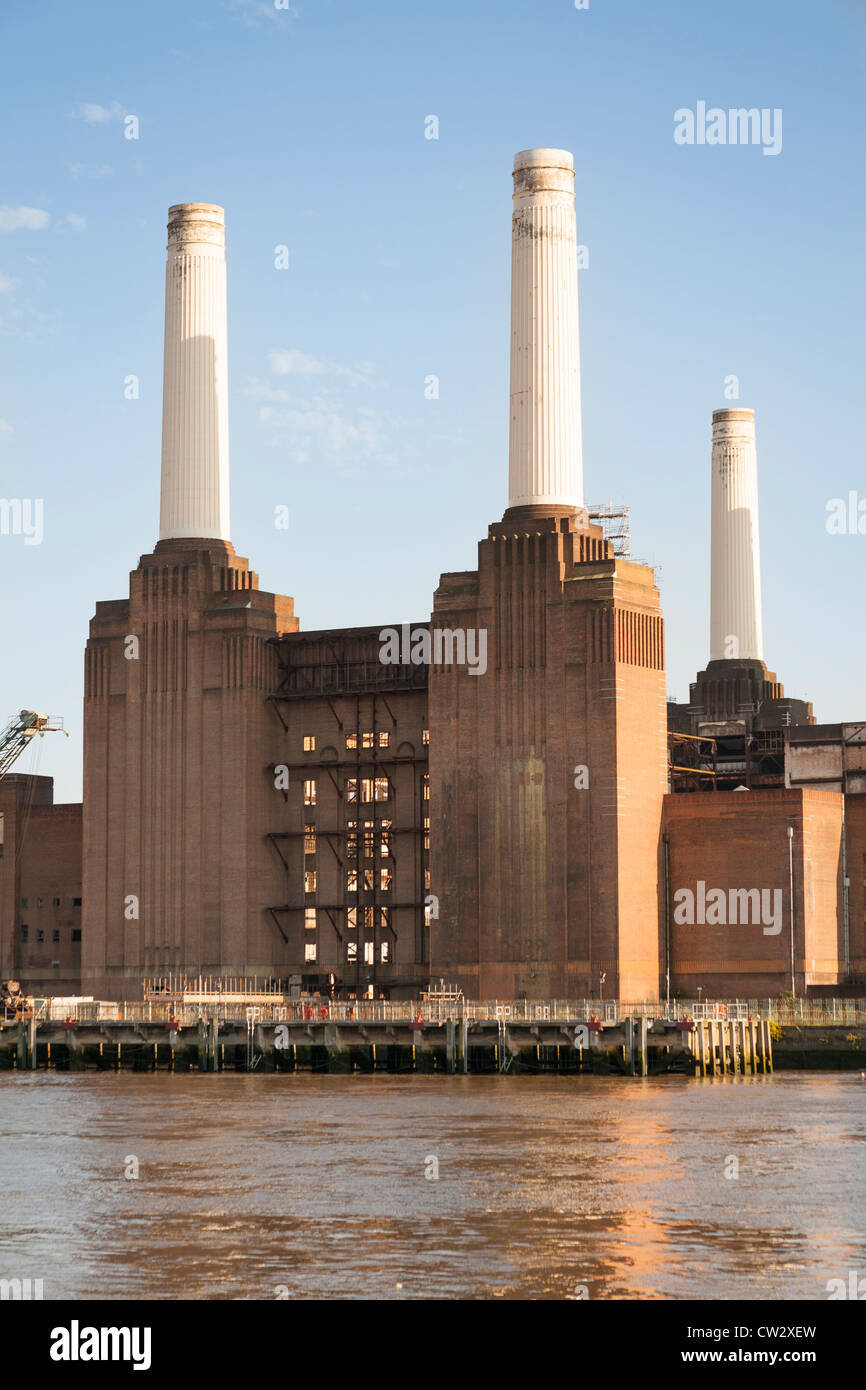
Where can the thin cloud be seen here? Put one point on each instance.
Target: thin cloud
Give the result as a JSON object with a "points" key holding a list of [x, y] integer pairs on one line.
{"points": [[90, 171], [75, 221], [30, 219], [293, 362], [253, 12], [95, 114], [7, 284]]}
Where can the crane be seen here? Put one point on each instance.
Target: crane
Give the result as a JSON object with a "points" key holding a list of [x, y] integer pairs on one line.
{"points": [[20, 730]]}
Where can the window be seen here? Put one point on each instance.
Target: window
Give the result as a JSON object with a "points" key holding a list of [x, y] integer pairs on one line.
{"points": [[385, 952], [385, 839], [352, 841], [310, 918], [426, 786], [25, 902], [55, 902], [369, 839], [310, 792], [309, 839], [351, 950], [367, 789], [368, 880], [76, 902], [367, 739], [40, 902], [310, 951], [351, 880], [310, 881], [426, 832], [55, 935], [385, 880], [384, 738], [369, 952], [368, 917], [351, 918], [309, 743], [76, 933], [425, 735], [426, 878], [384, 916], [351, 740], [40, 935], [25, 931]]}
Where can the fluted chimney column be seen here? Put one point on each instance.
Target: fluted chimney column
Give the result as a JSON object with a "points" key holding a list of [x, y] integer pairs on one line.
{"points": [[545, 465], [736, 630], [195, 424]]}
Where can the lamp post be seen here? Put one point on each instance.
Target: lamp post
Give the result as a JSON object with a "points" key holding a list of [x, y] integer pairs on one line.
{"points": [[791, 892]]}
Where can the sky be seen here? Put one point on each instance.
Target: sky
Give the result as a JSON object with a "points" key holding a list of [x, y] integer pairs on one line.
{"points": [[309, 125]]}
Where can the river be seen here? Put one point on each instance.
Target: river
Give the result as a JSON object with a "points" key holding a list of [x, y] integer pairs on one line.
{"points": [[267, 1186]]}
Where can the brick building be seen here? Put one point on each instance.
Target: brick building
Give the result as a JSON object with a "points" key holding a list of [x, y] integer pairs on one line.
{"points": [[40, 887]]}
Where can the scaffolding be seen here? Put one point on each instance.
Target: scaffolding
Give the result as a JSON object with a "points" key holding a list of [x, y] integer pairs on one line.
{"points": [[614, 521]]}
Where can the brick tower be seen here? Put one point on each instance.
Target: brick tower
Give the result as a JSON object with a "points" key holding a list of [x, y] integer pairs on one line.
{"points": [[547, 769], [177, 735]]}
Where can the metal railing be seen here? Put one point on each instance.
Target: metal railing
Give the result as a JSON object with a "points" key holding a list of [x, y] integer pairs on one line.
{"points": [[825, 1012]]}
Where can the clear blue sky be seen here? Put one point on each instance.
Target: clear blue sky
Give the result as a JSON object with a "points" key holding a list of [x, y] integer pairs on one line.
{"points": [[308, 126]]}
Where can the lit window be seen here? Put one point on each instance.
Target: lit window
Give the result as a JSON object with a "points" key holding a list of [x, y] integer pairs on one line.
{"points": [[351, 789], [351, 880], [351, 918], [385, 880], [425, 735], [368, 880], [426, 878], [385, 839], [309, 839], [426, 786], [351, 950], [310, 951], [385, 951], [309, 743], [426, 832], [310, 881], [383, 791], [369, 952], [310, 918], [384, 916], [368, 917], [310, 792], [351, 740], [369, 839], [384, 738], [367, 739]]}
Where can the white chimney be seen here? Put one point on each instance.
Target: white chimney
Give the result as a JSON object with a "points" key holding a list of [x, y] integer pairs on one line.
{"points": [[735, 564], [545, 464], [195, 415]]}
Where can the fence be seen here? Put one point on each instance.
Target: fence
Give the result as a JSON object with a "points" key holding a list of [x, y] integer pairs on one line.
{"points": [[281, 1010]]}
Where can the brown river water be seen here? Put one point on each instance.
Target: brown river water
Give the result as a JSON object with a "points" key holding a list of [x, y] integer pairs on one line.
{"points": [[266, 1186]]}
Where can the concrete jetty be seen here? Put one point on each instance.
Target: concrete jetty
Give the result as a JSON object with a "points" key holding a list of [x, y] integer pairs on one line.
{"points": [[319, 1035]]}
